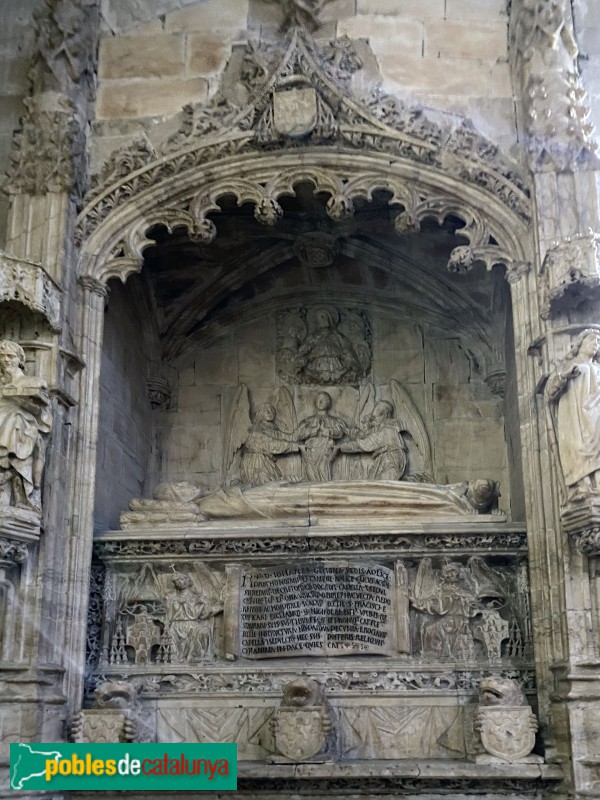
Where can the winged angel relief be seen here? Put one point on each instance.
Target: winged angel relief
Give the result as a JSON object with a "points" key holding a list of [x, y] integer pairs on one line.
{"points": [[385, 440]]}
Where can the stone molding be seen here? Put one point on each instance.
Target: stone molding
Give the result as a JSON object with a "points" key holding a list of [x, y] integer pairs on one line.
{"points": [[141, 545], [433, 680], [28, 284]]}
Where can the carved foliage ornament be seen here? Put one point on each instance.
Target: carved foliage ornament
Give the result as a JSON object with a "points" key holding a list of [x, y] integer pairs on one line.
{"points": [[45, 152], [299, 97]]}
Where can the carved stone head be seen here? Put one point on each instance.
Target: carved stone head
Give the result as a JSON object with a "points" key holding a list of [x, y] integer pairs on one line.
{"points": [[12, 355], [323, 401]]}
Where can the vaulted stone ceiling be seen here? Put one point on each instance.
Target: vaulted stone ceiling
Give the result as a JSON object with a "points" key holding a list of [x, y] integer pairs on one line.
{"points": [[198, 289]]}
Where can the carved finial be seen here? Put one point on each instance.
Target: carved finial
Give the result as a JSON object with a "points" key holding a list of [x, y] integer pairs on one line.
{"points": [[300, 13]]}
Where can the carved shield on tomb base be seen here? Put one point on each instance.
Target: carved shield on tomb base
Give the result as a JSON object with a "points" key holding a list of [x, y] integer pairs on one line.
{"points": [[299, 733], [295, 111], [506, 731], [102, 726]]}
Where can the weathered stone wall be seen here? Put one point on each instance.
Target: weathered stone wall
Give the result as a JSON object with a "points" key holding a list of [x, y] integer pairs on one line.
{"points": [[125, 429], [448, 54]]}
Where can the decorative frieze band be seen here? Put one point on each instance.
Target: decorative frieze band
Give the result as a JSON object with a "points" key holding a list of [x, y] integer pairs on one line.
{"points": [[119, 546]]}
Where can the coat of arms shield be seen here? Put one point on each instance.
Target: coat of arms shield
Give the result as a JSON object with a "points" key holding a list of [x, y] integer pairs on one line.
{"points": [[299, 733], [295, 111], [506, 731]]}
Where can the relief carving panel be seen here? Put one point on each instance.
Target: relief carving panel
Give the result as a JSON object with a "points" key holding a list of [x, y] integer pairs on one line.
{"points": [[323, 346]]}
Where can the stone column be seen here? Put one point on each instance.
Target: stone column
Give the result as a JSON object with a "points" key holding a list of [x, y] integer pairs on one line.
{"points": [[45, 184], [83, 487], [560, 149]]}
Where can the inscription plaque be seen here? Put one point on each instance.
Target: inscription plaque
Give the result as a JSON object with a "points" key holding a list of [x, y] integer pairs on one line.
{"points": [[316, 609]]}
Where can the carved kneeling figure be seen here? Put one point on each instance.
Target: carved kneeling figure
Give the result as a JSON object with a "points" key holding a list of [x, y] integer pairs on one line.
{"points": [[505, 723]]}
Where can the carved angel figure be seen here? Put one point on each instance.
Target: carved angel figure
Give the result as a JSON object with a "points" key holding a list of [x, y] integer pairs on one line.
{"points": [[450, 601], [265, 440], [251, 448], [574, 395], [24, 421], [383, 440], [190, 621]]}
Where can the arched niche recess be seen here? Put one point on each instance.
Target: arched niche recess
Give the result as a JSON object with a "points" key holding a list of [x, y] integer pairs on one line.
{"points": [[358, 173]]}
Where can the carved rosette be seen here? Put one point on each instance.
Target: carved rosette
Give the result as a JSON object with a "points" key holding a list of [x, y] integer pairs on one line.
{"points": [[570, 271], [30, 285]]}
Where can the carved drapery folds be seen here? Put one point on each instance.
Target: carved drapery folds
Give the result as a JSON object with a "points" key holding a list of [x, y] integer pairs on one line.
{"points": [[29, 284], [544, 55], [25, 422], [573, 392], [385, 439]]}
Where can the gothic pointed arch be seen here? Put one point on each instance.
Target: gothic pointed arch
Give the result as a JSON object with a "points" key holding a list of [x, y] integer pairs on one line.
{"points": [[296, 120]]}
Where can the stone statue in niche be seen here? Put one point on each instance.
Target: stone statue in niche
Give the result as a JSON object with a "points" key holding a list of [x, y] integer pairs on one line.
{"points": [[505, 723], [387, 438], [323, 346], [25, 421], [190, 621], [451, 598], [574, 394], [320, 434], [302, 725]]}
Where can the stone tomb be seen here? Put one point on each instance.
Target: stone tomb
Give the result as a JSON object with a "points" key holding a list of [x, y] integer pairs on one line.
{"points": [[397, 625]]}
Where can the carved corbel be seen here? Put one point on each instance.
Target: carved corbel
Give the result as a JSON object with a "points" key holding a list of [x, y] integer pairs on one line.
{"points": [[582, 523], [570, 272], [13, 552], [28, 284]]}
